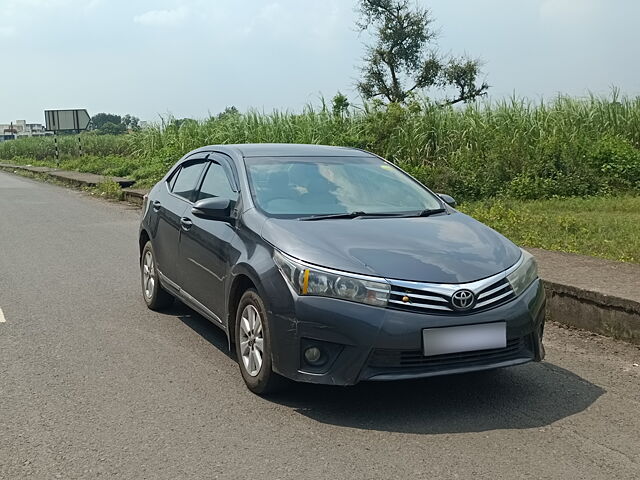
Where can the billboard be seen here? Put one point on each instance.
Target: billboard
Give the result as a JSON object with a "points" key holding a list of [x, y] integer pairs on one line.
{"points": [[66, 120]]}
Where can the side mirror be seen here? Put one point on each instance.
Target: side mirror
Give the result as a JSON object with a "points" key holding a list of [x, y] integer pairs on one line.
{"points": [[215, 208], [449, 200]]}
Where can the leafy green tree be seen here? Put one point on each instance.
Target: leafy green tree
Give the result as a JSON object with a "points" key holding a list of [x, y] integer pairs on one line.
{"points": [[403, 58], [131, 122], [231, 111], [112, 124], [111, 128], [340, 105], [100, 119]]}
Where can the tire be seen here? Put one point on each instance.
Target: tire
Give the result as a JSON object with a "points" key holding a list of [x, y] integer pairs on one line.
{"points": [[156, 297], [251, 333]]}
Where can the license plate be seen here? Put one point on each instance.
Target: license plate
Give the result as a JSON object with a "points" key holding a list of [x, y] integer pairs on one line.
{"points": [[465, 338]]}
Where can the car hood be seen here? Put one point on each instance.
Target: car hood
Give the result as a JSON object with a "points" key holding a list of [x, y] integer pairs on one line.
{"points": [[451, 248]]}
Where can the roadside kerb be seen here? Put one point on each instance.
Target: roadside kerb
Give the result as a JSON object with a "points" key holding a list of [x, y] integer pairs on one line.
{"points": [[76, 179], [589, 293], [134, 195]]}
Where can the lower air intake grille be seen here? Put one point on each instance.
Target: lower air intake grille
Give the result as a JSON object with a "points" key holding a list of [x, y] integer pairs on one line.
{"points": [[382, 358]]}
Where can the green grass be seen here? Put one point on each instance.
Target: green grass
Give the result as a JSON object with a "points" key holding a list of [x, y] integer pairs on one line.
{"points": [[109, 189], [516, 149], [607, 227]]}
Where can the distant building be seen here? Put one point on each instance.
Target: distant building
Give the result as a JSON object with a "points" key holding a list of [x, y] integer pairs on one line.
{"points": [[20, 129]]}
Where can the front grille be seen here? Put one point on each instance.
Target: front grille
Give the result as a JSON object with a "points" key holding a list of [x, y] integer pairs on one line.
{"points": [[407, 359], [494, 295], [419, 300], [436, 299]]}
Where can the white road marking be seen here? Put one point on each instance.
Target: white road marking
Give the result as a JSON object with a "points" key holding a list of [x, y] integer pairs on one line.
{"points": [[2, 319]]}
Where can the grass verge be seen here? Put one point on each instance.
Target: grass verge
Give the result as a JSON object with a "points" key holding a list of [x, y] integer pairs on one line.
{"points": [[606, 227]]}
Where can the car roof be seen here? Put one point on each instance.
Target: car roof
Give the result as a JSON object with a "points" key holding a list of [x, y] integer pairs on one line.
{"points": [[248, 150]]}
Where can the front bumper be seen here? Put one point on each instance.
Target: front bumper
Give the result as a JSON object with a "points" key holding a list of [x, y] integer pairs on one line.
{"points": [[371, 343]]}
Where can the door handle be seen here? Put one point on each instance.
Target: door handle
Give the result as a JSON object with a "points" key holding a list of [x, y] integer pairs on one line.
{"points": [[186, 223], [156, 205]]}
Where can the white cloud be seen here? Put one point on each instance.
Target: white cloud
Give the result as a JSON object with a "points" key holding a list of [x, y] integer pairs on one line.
{"points": [[7, 31], [163, 18]]}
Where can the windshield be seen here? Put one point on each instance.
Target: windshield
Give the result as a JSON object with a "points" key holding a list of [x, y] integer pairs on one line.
{"points": [[296, 187]]}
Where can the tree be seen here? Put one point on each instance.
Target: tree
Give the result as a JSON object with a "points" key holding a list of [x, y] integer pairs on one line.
{"points": [[340, 105], [111, 128], [131, 122], [112, 124], [231, 111], [403, 59], [99, 119]]}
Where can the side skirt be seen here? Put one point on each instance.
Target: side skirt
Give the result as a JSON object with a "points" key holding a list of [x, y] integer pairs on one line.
{"points": [[191, 302]]}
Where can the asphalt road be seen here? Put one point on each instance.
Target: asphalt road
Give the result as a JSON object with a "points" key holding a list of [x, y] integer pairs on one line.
{"points": [[92, 384]]}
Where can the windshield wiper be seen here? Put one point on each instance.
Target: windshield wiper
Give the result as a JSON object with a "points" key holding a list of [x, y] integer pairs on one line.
{"points": [[348, 215], [425, 213]]}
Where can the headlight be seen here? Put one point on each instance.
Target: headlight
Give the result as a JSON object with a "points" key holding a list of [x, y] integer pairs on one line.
{"points": [[311, 280], [524, 275]]}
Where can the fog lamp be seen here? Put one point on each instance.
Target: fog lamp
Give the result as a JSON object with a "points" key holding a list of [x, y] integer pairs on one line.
{"points": [[313, 355]]}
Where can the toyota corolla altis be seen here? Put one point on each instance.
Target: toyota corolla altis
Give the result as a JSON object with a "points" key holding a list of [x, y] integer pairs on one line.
{"points": [[331, 265]]}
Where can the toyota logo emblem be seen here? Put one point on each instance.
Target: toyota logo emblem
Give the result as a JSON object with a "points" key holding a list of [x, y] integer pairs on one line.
{"points": [[463, 300]]}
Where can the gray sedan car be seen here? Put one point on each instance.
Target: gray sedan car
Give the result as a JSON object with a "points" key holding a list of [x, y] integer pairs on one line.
{"points": [[331, 265]]}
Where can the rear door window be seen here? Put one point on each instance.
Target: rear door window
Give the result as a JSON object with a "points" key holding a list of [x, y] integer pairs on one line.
{"points": [[216, 183], [186, 184]]}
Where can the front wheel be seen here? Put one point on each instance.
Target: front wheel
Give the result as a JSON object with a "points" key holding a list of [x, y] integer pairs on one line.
{"points": [[253, 347], [154, 295]]}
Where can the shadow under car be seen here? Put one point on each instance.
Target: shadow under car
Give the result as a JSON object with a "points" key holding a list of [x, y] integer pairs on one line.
{"points": [[526, 396]]}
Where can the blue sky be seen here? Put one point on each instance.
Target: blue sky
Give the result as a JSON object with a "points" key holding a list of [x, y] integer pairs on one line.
{"points": [[192, 57]]}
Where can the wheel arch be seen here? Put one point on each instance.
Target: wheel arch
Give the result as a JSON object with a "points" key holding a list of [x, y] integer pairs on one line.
{"points": [[241, 283], [143, 239], [244, 277]]}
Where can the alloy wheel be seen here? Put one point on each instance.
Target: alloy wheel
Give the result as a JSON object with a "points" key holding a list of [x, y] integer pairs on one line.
{"points": [[148, 275], [251, 340]]}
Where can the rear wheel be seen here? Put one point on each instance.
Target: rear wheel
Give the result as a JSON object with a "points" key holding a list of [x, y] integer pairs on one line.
{"points": [[253, 346], [156, 297]]}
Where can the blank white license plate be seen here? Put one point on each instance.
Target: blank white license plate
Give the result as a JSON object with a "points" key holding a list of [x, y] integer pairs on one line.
{"points": [[465, 338]]}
